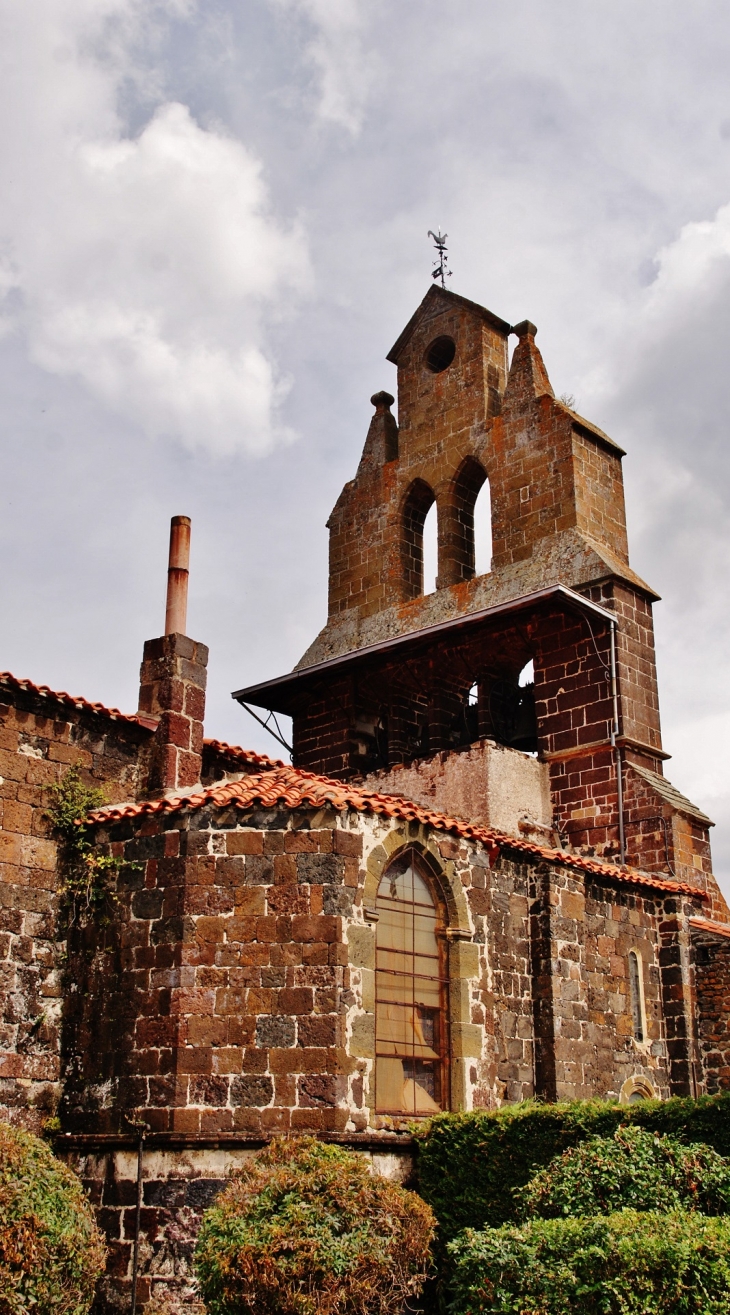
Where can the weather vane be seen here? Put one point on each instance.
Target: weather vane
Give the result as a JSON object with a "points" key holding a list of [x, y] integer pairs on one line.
{"points": [[441, 263]]}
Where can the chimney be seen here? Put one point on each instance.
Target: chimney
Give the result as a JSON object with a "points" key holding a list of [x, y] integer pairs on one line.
{"points": [[172, 680], [176, 611]]}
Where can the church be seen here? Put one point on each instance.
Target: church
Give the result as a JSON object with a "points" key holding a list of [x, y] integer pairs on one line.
{"points": [[474, 884]]}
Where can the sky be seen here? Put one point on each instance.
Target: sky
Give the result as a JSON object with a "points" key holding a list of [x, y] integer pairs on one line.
{"points": [[213, 227]]}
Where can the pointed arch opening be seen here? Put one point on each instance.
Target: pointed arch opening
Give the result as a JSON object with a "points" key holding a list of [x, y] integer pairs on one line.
{"points": [[411, 992], [418, 501], [457, 540], [430, 549], [483, 530]]}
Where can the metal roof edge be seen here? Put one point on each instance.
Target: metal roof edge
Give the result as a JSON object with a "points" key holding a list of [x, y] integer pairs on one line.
{"points": [[440, 627]]}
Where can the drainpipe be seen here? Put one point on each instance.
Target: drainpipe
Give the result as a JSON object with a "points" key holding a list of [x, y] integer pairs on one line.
{"points": [[176, 611], [615, 730]]}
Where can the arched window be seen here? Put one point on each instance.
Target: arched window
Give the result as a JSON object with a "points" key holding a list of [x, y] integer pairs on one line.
{"points": [[410, 995], [636, 992], [456, 541], [483, 530], [415, 508], [430, 550]]}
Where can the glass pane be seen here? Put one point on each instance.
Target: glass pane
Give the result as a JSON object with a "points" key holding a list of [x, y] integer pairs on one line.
{"points": [[409, 996], [635, 989]]}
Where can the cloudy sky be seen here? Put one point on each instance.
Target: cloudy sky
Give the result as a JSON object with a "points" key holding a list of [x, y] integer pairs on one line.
{"points": [[213, 227]]}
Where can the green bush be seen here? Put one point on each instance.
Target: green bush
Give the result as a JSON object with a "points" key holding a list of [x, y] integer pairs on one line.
{"points": [[306, 1228], [469, 1164], [633, 1169], [629, 1263], [51, 1251]]}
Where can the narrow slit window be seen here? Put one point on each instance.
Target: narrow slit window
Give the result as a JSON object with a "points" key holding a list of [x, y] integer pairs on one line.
{"points": [[637, 995], [410, 996]]}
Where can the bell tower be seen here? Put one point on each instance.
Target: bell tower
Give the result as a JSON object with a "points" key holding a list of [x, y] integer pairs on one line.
{"points": [[426, 695]]}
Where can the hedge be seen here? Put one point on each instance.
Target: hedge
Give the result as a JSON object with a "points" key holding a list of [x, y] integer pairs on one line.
{"points": [[307, 1229], [51, 1251], [628, 1263], [469, 1164], [634, 1169]]}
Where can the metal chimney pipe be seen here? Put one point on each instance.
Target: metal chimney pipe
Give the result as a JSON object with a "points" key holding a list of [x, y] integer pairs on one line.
{"points": [[176, 612]]}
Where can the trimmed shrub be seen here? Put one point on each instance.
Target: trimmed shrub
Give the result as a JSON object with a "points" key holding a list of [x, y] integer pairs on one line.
{"points": [[305, 1228], [630, 1263], [51, 1251], [469, 1164], [635, 1169]]}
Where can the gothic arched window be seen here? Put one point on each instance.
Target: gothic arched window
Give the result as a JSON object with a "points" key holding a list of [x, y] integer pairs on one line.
{"points": [[456, 539], [419, 500], [411, 994]]}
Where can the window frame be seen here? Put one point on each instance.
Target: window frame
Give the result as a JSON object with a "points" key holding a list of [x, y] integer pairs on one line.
{"points": [[410, 856], [637, 1002]]}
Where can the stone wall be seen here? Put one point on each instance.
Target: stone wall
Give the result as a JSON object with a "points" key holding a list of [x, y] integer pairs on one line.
{"points": [[180, 1179], [712, 969], [235, 990], [41, 736], [232, 992], [487, 782]]}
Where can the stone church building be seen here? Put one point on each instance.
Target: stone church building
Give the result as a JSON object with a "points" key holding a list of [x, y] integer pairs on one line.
{"points": [[473, 885]]}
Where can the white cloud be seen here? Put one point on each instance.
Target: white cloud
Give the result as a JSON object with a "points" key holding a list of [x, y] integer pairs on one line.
{"points": [[147, 266], [670, 404], [343, 65]]}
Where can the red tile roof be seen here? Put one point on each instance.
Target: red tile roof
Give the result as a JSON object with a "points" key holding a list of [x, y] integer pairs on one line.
{"points": [[246, 757], [9, 681], [231, 752], [706, 924], [294, 788]]}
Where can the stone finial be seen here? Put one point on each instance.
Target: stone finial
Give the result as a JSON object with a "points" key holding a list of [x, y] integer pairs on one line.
{"points": [[525, 329], [382, 401], [381, 444], [528, 378]]}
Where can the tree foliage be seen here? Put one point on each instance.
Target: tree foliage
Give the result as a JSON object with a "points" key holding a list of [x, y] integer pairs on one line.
{"points": [[633, 1169], [306, 1228], [51, 1251]]}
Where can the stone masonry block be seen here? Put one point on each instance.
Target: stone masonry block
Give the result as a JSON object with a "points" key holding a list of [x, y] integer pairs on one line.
{"points": [[361, 942], [320, 869], [279, 1031], [252, 1090], [362, 1041]]}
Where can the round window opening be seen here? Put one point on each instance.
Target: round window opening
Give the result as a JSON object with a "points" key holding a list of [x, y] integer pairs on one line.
{"points": [[440, 354]]}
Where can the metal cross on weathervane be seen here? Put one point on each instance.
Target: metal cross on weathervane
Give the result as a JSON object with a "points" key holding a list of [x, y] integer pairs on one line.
{"points": [[441, 264]]}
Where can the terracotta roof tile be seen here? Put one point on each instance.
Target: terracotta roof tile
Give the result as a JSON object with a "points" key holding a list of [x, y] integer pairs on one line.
{"points": [[247, 757], [714, 928], [295, 788], [232, 752], [9, 681]]}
